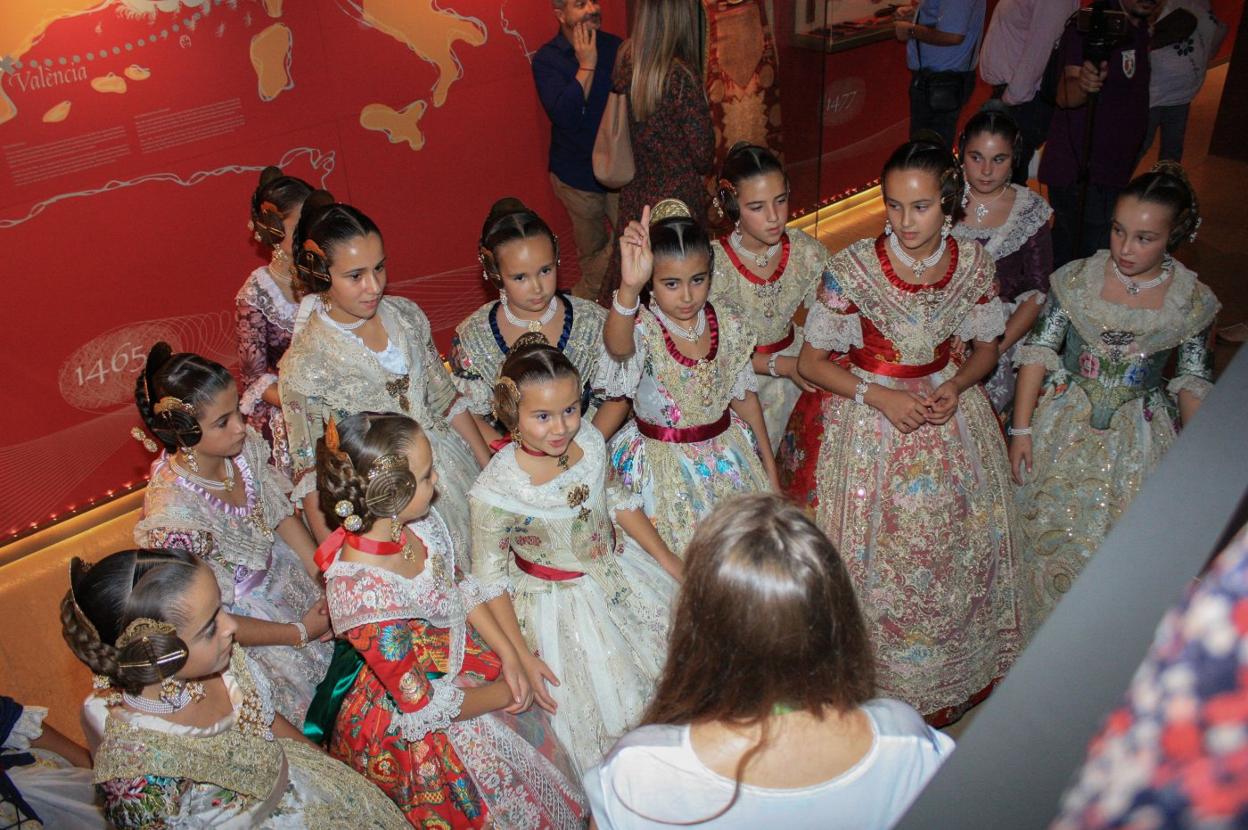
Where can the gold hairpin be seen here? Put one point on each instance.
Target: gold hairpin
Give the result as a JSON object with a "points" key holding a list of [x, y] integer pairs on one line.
{"points": [[143, 628], [169, 403]]}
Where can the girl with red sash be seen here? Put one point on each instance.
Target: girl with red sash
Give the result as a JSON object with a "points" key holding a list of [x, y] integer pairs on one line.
{"points": [[698, 435], [588, 599], [437, 713], [768, 271], [901, 455]]}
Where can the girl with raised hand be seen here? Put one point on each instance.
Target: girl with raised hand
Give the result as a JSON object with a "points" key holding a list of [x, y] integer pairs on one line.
{"points": [[519, 256], [698, 433], [264, 310], [903, 457], [1011, 221], [356, 348], [211, 492], [587, 600], [182, 724], [435, 714], [1094, 413], [766, 714], [768, 271]]}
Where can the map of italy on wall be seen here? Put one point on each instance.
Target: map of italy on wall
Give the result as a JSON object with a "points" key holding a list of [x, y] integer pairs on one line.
{"points": [[132, 133]]}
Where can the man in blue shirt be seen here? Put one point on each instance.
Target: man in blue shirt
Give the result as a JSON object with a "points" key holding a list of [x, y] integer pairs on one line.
{"points": [[573, 74], [942, 49]]}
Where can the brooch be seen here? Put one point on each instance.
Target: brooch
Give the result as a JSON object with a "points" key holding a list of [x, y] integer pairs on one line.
{"points": [[577, 497]]}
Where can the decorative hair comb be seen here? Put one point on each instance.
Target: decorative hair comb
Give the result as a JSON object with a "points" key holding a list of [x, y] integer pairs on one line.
{"points": [[387, 463], [169, 403], [726, 186], [142, 437], [667, 208]]}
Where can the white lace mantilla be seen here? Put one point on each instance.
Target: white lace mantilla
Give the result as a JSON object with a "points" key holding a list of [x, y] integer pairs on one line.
{"points": [[261, 293], [1028, 213]]}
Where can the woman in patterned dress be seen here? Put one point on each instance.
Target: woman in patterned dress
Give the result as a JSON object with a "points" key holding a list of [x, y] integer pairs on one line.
{"points": [[1011, 221], [589, 581], [356, 349], [212, 493], [669, 118], [520, 257], [264, 310], [698, 433], [1094, 414], [767, 271], [182, 725], [437, 715], [910, 473]]}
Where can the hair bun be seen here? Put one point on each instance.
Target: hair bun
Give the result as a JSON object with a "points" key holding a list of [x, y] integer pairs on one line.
{"points": [[995, 105], [669, 208], [269, 175], [739, 146], [319, 199], [530, 338]]}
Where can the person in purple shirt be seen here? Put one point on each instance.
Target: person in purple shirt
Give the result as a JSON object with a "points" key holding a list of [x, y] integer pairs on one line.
{"points": [[1121, 86], [573, 75]]}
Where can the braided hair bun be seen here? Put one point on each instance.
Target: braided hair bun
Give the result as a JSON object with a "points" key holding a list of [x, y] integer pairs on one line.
{"points": [[171, 390], [1167, 184], [363, 461]]}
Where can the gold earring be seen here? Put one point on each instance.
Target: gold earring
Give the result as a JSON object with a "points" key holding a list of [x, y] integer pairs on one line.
{"points": [[191, 461]]}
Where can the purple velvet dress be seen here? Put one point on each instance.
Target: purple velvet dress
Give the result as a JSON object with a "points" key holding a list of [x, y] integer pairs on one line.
{"points": [[265, 321], [1022, 247]]}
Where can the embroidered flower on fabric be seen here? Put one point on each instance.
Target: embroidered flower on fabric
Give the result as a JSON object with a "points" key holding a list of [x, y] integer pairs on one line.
{"points": [[1089, 365], [1135, 375], [396, 642]]}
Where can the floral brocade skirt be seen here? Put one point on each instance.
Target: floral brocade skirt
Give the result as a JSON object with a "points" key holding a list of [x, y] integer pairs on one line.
{"points": [[923, 523], [1082, 479]]}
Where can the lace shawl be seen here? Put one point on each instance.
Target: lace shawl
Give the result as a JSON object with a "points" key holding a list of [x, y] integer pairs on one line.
{"points": [[180, 514], [1027, 215]]}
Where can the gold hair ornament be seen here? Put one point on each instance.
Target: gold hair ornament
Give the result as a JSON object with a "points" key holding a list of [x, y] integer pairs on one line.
{"points": [[509, 389], [142, 630], [169, 404], [667, 208]]}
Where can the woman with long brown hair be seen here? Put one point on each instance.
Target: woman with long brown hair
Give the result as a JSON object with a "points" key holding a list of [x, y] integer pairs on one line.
{"points": [[764, 714], [669, 119]]}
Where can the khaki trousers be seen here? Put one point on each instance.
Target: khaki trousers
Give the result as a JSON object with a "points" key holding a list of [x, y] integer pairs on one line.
{"points": [[594, 217]]}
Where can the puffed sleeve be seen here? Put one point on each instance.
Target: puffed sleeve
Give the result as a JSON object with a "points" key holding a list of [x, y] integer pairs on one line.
{"points": [[476, 391], [1193, 371], [491, 543], [1046, 337], [619, 378], [145, 803], [986, 319], [833, 324]]}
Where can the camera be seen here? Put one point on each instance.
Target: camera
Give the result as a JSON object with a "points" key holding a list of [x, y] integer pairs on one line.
{"points": [[1102, 29]]}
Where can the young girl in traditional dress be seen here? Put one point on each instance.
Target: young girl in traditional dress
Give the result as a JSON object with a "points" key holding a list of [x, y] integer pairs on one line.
{"points": [[434, 717], [771, 724], [586, 605], [767, 271], [357, 349], [1011, 221], [212, 493], [182, 724], [699, 433], [1094, 414], [520, 257], [264, 310], [910, 472]]}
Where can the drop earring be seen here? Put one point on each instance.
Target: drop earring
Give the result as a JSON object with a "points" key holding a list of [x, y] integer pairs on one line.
{"points": [[966, 195], [947, 227], [888, 227], [191, 462]]}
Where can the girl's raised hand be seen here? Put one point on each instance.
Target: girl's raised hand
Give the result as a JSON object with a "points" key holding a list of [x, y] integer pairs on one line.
{"points": [[636, 259]]}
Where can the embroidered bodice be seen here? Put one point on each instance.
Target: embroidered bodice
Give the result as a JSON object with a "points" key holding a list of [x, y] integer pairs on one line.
{"points": [[478, 350], [236, 541], [1021, 246], [671, 390], [865, 308], [769, 305], [1118, 354]]}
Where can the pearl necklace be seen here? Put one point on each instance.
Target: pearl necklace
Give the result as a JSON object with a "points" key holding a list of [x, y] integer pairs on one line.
{"points": [[531, 325], [343, 326], [918, 266], [162, 707], [1133, 287], [211, 483], [736, 240], [691, 334], [981, 208]]}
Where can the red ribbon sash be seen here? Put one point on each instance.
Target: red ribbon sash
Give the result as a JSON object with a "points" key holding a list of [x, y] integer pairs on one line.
{"points": [[544, 571], [863, 360], [685, 435], [779, 346]]}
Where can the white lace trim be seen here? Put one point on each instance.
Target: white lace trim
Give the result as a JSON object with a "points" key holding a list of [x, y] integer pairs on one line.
{"points": [[625, 500], [508, 487], [1199, 387], [746, 381], [436, 715], [831, 331], [1033, 294], [254, 394], [619, 378], [260, 291], [475, 593], [1027, 215], [1043, 355], [986, 321]]}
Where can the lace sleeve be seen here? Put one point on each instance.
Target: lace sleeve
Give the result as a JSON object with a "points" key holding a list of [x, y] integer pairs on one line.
{"points": [[1193, 370], [392, 654], [832, 330], [620, 498], [985, 321], [476, 391], [149, 802], [619, 378], [475, 593], [491, 543]]}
